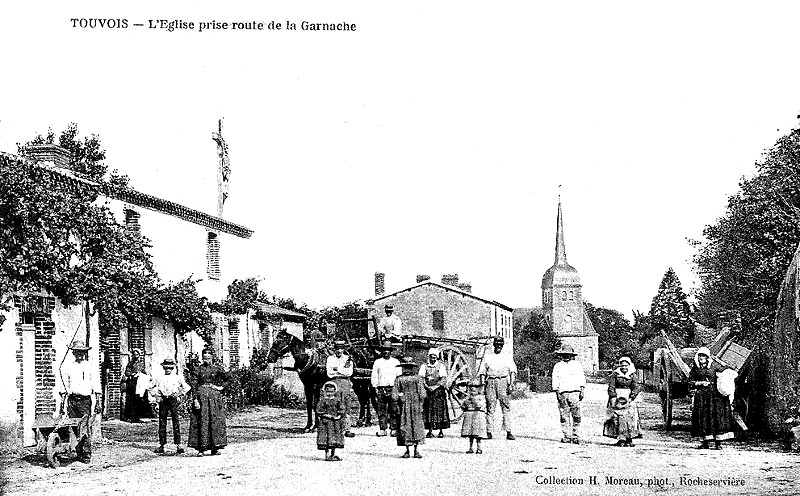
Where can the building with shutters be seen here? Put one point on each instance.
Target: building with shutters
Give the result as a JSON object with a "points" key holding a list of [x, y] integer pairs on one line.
{"points": [[444, 309]]}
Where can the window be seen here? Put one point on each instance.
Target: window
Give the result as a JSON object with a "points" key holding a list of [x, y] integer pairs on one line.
{"points": [[438, 320], [564, 294]]}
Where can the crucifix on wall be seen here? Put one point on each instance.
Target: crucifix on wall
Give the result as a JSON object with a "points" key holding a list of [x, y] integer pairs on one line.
{"points": [[223, 170]]}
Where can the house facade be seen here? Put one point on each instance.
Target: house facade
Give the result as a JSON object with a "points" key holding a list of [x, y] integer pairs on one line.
{"points": [[448, 309]]}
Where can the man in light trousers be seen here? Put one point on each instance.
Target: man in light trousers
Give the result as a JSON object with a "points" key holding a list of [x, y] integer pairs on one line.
{"points": [[569, 384], [498, 371]]}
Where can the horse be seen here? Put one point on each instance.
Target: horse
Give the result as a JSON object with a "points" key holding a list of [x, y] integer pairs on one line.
{"points": [[363, 359], [310, 367]]}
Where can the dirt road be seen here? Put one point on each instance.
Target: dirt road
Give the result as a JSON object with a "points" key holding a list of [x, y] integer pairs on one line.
{"points": [[536, 463]]}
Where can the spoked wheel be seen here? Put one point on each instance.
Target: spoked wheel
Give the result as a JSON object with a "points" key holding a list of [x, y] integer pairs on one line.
{"points": [[459, 372], [53, 448]]}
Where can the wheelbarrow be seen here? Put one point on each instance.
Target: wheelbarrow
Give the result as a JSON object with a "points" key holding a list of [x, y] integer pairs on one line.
{"points": [[61, 435]]}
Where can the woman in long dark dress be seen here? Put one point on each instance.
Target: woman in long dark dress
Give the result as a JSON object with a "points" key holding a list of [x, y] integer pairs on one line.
{"points": [[409, 393], [136, 406], [435, 406], [207, 429], [712, 418]]}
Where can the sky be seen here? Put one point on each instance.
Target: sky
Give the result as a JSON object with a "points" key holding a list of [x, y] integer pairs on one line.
{"points": [[434, 139]]}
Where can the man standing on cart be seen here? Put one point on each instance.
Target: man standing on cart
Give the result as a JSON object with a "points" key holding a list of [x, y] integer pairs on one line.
{"points": [[498, 371], [391, 325], [81, 386]]}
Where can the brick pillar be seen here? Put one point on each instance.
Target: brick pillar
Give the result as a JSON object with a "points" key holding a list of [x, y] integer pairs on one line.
{"points": [[380, 279], [212, 256], [44, 353], [132, 220], [233, 336], [26, 357]]}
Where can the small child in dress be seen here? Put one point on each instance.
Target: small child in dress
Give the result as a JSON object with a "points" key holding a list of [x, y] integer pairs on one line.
{"points": [[623, 418], [330, 433], [474, 424]]}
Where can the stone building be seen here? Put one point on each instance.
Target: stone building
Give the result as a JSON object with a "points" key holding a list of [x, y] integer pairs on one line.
{"points": [[447, 309], [562, 304]]}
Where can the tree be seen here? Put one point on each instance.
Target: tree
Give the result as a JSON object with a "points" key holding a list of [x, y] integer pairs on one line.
{"points": [[669, 311], [616, 336], [57, 239], [741, 264], [535, 344]]}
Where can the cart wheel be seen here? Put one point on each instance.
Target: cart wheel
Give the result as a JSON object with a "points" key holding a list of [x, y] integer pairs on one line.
{"points": [[666, 406], [53, 448], [458, 372]]}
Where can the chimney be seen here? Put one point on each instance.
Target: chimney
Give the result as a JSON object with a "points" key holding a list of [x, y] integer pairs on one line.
{"points": [[132, 220], [48, 153], [450, 279], [422, 277], [380, 278], [465, 287], [212, 256]]}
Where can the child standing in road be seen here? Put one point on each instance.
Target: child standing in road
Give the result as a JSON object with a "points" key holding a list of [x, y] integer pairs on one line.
{"points": [[474, 424], [330, 434], [167, 392]]}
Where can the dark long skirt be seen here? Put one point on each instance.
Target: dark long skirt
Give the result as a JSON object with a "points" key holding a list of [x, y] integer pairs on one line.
{"points": [[330, 434], [435, 410], [207, 428], [711, 416], [136, 407]]}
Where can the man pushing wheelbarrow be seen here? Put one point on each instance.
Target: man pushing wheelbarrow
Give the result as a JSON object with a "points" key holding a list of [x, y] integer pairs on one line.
{"points": [[69, 429]]}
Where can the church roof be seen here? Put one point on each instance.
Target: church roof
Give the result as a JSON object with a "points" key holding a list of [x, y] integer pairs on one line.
{"points": [[561, 273]]}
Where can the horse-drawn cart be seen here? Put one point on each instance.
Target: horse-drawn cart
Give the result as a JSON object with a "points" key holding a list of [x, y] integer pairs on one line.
{"points": [[671, 371], [462, 359]]}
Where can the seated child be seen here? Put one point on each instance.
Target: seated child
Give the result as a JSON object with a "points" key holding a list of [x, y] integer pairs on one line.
{"points": [[623, 418], [330, 410], [474, 424]]}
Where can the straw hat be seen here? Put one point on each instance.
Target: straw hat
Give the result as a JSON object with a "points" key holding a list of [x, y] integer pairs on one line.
{"points": [[79, 345], [406, 361], [566, 350]]}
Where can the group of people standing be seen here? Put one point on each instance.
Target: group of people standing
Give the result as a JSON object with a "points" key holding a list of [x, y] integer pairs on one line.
{"points": [[411, 399]]}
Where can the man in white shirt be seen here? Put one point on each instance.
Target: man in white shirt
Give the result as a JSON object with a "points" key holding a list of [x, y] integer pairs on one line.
{"points": [[384, 371], [81, 384], [569, 384], [339, 367], [390, 325], [167, 391], [498, 371]]}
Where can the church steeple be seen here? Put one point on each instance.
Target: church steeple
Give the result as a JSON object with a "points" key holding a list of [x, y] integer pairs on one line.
{"points": [[561, 254]]}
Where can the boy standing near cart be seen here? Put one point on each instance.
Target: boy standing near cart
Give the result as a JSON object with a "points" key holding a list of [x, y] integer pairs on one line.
{"points": [[167, 391]]}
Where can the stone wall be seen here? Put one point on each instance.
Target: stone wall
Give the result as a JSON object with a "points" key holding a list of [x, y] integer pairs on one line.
{"points": [[586, 348]]}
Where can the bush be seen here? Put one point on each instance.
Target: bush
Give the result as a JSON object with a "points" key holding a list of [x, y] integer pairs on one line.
{"points": [[249, 386]]}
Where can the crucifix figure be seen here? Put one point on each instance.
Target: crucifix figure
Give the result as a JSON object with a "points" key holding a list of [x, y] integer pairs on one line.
{"points": [[224, 169]]}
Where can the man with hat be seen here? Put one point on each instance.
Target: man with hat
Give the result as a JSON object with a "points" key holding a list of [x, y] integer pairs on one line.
{"points": [[498, 370], [390, 325], [167, 392], [81, 385], [339, 367], [569, 384], [384, 371]]}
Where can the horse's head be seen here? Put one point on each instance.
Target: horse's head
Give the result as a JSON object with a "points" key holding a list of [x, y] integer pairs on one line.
{"points": [[281, 345]]}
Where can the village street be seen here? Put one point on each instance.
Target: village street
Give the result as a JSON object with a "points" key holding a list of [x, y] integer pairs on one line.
{"points": [[281, 462]]}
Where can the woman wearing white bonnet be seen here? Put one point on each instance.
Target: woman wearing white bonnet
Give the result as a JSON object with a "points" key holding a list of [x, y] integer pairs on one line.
{"points": [[434, 409], [624, 382], [712, 418]]}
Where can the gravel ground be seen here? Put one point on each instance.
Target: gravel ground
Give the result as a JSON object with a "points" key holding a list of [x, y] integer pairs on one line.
{"points": [[267, 456]]}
